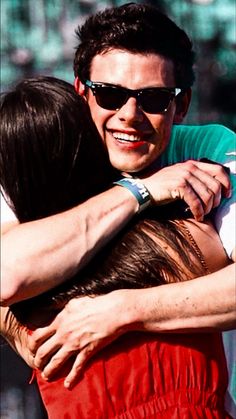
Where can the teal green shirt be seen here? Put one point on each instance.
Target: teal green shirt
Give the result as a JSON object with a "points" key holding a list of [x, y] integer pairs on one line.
{"points": [[214, 142]]}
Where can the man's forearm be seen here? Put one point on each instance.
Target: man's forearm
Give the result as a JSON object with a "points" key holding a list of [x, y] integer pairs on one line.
{"points": [[86, 325], [206, 303], [39, 255]]}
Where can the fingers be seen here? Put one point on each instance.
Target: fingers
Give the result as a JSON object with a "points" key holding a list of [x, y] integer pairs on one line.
{"points": [[199, 190], [56, 362], [211, 189], [44, 354], [77, 367], [80, 361], [83, 357], [193, 202], [205, 192], [38, 337], [209, 182], [79, 333], [219, 173], [199, 184]]}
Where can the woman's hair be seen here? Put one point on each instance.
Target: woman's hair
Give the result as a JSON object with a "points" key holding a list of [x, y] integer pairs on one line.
{"points": [[138, 29], [51, 156], [148, 252]]}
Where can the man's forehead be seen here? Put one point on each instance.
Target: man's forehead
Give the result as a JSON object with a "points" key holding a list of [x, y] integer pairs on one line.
{"points": [[121, 66]]}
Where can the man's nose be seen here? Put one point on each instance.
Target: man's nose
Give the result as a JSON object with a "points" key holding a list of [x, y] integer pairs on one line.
{"points": [[131, 111]]}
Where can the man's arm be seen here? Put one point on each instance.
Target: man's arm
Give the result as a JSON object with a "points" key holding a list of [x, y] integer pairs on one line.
{"points": [[86, 325], [39, 255]]}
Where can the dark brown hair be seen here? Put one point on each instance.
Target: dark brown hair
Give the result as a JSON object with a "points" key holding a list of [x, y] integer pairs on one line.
{"points": [[150, 251], [51, 155], [136, 28]]}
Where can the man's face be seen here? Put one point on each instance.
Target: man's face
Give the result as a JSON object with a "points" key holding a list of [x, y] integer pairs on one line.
{"points": [[134, 138]]}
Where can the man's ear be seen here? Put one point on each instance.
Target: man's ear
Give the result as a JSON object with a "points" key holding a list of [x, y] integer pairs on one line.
{"points": [[182, 105], [79, 87]]}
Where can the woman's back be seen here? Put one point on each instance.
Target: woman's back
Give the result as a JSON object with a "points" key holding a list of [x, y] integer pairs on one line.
{"points": [[143, 375], [146, 376]]}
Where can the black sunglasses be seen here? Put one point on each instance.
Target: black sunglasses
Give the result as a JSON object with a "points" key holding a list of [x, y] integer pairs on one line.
{"points": [[151, 99]]}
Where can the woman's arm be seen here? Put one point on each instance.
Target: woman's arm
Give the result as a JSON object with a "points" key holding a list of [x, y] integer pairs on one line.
{"points": [[16, 335]]}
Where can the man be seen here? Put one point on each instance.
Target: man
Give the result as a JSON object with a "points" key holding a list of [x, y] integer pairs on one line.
{"points": [[137, 83]]}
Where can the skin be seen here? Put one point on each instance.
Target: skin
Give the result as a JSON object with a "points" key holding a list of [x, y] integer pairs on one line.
{"points": [[145, 136], [188, 181], [83, 308], [153, 131], [53, 255]]}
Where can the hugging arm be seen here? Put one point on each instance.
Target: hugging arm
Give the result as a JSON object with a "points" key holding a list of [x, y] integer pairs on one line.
{"points": [[62, 244], [37, 255], [86, 325]]}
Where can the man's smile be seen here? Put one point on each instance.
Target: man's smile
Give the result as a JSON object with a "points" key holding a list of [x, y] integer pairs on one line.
{"points": [[130, 140]]}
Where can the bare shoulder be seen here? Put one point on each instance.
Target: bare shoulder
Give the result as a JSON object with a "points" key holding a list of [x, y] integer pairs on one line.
{"points": [[209, 243]]}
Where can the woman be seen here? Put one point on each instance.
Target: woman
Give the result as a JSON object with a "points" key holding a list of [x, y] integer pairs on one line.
{"points": [[56, 161]]}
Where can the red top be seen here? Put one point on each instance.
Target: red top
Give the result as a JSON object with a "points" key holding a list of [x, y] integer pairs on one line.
{"points": [[146, 376]]}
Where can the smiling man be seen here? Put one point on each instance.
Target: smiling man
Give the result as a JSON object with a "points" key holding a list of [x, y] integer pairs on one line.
{"points": [[136, 129], [134, 67]]}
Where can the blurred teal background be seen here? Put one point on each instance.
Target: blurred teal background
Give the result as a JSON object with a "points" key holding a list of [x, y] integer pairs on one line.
{"points": [[37, 37]]}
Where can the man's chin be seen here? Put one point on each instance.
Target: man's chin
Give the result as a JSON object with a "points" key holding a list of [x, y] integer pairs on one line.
{"points": [[131, 167]]}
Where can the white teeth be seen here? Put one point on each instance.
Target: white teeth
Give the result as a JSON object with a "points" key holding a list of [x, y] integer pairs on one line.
{"points": [[126, 137]]}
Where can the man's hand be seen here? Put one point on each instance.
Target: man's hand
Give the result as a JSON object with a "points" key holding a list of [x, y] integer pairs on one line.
{"points": [[87, 325], [200, 185], [81, 329]]}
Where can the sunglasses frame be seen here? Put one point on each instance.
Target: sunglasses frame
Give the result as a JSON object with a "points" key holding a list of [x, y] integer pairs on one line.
{"points": [[173, 92]]}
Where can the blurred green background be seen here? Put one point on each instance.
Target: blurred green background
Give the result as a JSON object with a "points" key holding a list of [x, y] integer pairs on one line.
{"points": [[37, 37]]}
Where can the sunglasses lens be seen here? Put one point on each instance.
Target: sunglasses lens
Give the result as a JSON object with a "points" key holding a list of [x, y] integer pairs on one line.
{"points": [[110, 98], [155, 100]]}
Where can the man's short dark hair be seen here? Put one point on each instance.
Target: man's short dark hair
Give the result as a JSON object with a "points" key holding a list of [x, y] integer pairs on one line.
{"points": [[137, 28]]}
